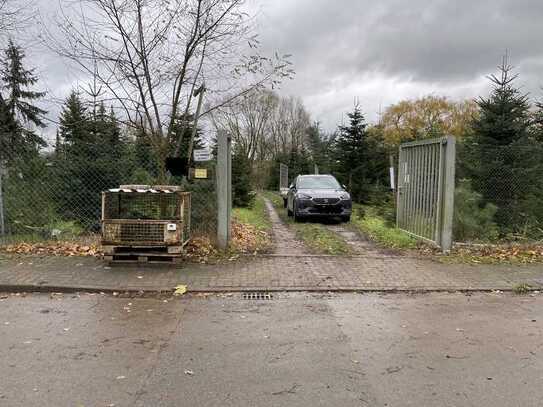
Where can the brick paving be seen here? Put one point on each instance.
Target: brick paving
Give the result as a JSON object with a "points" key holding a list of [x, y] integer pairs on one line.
{"points": [[321, 273], [290, 268], [284, 239]]}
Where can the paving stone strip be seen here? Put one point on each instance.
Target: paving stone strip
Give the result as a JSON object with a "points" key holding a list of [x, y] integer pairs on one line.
{"points": [[285, 242], [300, 273], [358, 243]]}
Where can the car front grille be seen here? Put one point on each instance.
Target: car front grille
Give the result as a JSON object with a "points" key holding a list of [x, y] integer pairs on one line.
{"points": [[326, 201]]}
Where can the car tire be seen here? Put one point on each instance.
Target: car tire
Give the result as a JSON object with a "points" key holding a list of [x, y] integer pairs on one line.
{"points": [[346, 218], [297, 218]]}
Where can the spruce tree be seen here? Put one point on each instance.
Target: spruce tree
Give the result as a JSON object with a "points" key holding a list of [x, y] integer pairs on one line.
{"points": [[504, 116], [19, 98], [360, 162], [500, 157], [74, 125]]}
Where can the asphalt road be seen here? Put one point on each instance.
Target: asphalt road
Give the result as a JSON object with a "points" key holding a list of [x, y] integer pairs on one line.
{"points": [[294, 350]]}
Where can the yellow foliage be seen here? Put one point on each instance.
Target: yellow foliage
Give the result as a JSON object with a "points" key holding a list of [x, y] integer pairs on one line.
{"points": [[425, 117]]}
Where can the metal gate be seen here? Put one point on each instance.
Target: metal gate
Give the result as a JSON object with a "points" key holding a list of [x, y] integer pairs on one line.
{"points": [[426, 189]]}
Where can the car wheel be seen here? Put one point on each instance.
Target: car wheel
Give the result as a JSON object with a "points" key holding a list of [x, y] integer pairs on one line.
{"points": [[297, 218], [346, 218]]}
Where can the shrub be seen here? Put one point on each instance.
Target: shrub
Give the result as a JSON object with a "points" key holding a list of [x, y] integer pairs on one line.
{"points": [[473, 219]]}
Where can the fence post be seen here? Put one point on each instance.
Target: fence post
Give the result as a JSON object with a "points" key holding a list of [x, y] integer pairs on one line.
{"points": [[224, 193], [2, 220], [448, 194]]}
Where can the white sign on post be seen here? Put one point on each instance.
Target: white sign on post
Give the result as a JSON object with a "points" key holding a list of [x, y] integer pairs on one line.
{"points": [[202, 154]]}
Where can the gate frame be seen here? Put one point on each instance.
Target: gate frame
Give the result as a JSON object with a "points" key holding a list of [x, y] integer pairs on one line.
{"points": [[445, 194]]}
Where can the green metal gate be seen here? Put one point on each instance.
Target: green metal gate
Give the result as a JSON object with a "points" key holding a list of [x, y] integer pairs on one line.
{"points": [[426, 190]]}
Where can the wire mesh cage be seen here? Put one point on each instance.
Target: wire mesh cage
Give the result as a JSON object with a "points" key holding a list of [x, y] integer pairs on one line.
{"points": [[146, 216]]}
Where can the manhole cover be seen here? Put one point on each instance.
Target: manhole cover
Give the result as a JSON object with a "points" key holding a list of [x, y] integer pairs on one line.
{"points": [[257, 296]]}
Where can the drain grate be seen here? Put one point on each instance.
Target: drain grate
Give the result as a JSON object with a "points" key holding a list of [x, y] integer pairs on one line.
{"points": [[259, 295]]}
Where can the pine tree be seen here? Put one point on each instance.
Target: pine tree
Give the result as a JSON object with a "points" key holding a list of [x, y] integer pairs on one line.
{"points": [[504, 116], [16, 81], [8, 133], [319, 145], [501, 157], [241, 179], [360, 160], [74, 125]]}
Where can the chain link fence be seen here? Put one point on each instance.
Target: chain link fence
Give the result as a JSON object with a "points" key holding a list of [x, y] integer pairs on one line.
{"points": [[56, 195], [499, 193]]}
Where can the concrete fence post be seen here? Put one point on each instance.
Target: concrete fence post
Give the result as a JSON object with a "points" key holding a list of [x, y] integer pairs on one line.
{"points": [[224, 190], [2, 219], [448, 194]]}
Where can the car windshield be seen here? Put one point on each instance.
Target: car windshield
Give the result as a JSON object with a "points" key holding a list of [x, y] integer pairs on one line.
{"points": [[317, 183]]}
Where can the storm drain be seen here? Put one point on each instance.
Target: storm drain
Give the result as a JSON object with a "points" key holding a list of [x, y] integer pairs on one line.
{"points": [[259, 295]]}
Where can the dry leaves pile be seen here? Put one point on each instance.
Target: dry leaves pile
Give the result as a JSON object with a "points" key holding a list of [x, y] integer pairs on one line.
{"points": [[248, 239], [52, 249], [245, 239], [200, 249], [523, 254]]}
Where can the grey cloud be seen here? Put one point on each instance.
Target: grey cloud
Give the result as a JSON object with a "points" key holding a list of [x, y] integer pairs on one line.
{"points": [[437, 46]]}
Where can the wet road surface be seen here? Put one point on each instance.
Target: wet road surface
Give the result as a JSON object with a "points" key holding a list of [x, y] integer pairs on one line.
{"points": [[293, 350]]}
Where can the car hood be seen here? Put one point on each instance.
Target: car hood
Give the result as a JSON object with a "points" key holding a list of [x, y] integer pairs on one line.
{"points": [[322, 193]]}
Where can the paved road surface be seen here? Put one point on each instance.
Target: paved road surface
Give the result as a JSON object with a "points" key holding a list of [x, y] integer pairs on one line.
{"points": [[294, 350]]}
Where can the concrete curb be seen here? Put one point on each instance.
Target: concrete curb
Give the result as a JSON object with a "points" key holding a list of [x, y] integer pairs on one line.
{"points": [[7, 288]]}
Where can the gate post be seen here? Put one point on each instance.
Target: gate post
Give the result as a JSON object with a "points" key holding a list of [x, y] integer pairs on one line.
{"points": [[2, 221], [448, 193], [224, 189]]}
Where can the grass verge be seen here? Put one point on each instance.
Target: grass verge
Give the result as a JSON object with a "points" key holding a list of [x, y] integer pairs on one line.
{"points": [[251, 231], [256, 215], [369, 222], [315, 236]]}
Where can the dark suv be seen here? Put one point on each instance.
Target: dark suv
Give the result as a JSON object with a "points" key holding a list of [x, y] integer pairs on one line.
{"points": [[318, 195]]}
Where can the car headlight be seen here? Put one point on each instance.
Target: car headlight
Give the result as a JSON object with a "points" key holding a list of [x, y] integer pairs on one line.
{"points": [[302, 196], [345, 196]]}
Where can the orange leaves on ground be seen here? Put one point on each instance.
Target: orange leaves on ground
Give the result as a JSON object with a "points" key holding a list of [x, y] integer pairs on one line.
{"points": [[248, 239], [200, 249], [523, 254], [52, 249]]}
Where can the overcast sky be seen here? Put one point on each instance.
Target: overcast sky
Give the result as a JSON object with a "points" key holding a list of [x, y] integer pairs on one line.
{"points": [[383, 51], [380, 52]]}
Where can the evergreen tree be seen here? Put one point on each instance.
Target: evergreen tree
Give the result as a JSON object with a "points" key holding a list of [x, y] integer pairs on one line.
{"points": [[74, 125], [19, 99], [502, 158], [504, 116], [9, 131], [241, 179], [320, 147], [360, 162]]}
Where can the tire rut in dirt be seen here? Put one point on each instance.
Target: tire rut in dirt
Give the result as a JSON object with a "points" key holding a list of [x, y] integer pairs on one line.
{"points": [[285, 241]]}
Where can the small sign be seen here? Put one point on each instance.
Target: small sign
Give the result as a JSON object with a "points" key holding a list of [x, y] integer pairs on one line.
{"points": [[200, 173], [202, 154]]}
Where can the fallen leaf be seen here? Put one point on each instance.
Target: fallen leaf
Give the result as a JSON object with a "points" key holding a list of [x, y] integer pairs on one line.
{"points": [[180, 289]]}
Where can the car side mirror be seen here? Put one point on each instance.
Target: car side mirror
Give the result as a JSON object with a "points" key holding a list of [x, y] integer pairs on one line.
{"points": [[291, 186], [344, 187]]}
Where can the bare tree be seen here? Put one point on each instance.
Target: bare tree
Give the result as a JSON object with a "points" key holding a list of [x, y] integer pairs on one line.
{"points": [[150, 56], [263, 125], [14, 15], [248, 123]]}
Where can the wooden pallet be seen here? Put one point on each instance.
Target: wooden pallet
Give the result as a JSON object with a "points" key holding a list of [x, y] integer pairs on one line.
{"points": [[143, 254], [112, 250], [137, 258]]}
